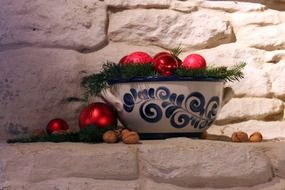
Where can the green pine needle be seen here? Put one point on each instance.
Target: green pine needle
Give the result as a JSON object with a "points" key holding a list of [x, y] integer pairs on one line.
{"points": [[89, 134], [95, 83]]}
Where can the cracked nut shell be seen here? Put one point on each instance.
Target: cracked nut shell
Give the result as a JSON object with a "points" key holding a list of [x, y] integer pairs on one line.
{"points": [[255, 137], [130, 137], [110, 137], [239, 136]]}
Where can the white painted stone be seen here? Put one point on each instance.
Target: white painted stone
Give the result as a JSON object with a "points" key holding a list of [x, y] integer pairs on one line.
{"points": [[265, 18], [267, 38], [138, 3], [73, 24], [167, 28], [231, 54], [185, 6], [269, 129], [73, 183], [248, 85], [192, 163], [35, 87], [277, 77], [32, 163], [275, 56], [233, 6], [113, 52], [240, 109]]}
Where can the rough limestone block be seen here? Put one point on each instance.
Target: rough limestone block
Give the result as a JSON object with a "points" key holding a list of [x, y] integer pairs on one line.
{"points": [[276, 184], [269, 130], [168, 29], [233, 6], [185, 6], [37, 85], [264, 18], [268, 38], [277, 77], [191, 163], [277, 156], [231, 54], [240, 109], [73, 183], [93, 61], [247, 86], [72, 24], [138, 3], [31, 163], [275, 56]]}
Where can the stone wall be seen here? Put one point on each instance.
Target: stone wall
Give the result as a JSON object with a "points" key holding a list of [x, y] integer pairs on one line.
{"points": [[46, 47]]}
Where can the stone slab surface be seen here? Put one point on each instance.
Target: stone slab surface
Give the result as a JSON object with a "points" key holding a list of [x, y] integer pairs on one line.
{"points": [[73, 183], [43, 161], [187, 163], [178, 164]]}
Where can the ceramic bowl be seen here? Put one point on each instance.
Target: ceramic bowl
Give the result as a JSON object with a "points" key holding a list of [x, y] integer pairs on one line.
{"points": [[161, 107]]}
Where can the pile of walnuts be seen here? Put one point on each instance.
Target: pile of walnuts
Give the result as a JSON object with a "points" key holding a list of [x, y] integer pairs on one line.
{"points": [[241, 136], [122, 134]]}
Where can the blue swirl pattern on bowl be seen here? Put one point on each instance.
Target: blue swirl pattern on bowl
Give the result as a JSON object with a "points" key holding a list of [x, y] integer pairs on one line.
{"points": [[181, 110]]}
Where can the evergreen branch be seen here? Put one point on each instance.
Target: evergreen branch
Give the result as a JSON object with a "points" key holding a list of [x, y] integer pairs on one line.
{"points": [[95, 83], [88, 134]]}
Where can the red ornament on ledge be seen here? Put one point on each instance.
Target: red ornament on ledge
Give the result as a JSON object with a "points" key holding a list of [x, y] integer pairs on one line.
{"points": [[100, 114], [56, 124]]}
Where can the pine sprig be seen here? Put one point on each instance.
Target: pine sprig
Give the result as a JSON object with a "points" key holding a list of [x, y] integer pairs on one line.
{"points": [[224, 73], [95, 83], [88, 134]]}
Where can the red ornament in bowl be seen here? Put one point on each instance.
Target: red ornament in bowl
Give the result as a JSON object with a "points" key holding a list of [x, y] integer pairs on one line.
{"points": [[56, 124], [137, 57], [100, 114], [165, 63], [194, 61]]}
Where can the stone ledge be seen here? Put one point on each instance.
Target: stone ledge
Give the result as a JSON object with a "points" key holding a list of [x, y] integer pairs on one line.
{"points": [[180, 162]]}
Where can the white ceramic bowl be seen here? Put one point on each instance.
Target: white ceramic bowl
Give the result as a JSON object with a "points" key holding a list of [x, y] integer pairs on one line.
{"points": [[166, 106]]}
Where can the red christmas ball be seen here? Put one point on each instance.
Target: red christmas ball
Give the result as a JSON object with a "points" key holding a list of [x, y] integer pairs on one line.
{"points": [[194, 61], [56, 125], [100, 114], [137, 57], [123, 60], [165, 64]]}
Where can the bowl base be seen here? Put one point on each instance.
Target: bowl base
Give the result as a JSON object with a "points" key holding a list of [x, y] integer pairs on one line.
{"points": [[156, 136]]}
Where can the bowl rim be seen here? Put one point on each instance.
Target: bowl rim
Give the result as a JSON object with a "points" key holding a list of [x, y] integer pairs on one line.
{"points": [[163, 79]]}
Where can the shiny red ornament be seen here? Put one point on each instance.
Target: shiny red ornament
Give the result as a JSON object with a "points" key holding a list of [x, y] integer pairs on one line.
{"points": [[165, 63], [99, 114], [123, 60], [194, 61], [56, 125], [137, 57]]}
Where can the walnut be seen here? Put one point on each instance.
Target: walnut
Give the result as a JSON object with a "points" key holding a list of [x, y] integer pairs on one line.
{"points": [[255, 137], [130, 137], [110, 137], [239, 136], [124, 131]]}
